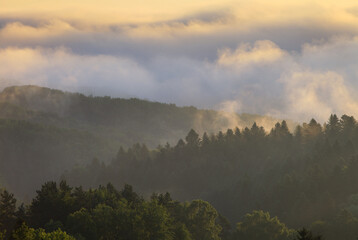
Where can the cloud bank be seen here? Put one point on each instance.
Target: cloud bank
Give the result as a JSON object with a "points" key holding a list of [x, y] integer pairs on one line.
{"points": [[292, 60]]}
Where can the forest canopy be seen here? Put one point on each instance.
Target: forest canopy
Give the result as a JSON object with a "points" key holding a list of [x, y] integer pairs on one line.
{"points": [[60, 212], [306, 178], [286, 178]]}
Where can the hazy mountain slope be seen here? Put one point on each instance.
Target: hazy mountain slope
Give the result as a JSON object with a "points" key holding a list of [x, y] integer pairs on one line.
{"points": [[125, 121], [32, 153], [44, 132], [301, 178]]}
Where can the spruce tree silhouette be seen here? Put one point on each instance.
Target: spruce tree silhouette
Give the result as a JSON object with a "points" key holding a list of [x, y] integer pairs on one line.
{"points": [[304, 234]]}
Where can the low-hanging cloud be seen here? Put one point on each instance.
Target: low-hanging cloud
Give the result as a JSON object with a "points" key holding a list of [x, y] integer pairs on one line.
{"points": [[259, 78], [60, 68], [261, 58]]}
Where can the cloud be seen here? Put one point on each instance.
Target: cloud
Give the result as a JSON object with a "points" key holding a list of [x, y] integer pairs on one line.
{"points": [[318, 94], [186, 29], [60, 68], [262, 52], [277, 58], [257, 78]]}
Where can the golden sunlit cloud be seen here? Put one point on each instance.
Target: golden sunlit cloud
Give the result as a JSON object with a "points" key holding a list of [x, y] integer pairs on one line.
{"points": [[160, 20], [268, 57], [142, 11], [107, 11], [261, 52]]}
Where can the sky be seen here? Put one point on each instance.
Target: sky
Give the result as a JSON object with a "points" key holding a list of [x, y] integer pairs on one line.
{"points": [[287, 59]]}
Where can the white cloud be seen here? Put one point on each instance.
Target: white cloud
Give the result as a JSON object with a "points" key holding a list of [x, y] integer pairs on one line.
{"points": [[60, 68], [317, 94], [262, 52], [194, 69]]}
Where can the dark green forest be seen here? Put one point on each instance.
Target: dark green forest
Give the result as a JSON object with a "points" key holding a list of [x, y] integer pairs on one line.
{"points": [[238, 183], [60, 212], [308, 178]]}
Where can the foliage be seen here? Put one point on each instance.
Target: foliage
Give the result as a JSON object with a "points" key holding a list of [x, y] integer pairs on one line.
{"points": [[304, 234], [26, 233], [107, 213], [201, 218], [302, 178], [45, 132], [305, 178], [7, 213], [259, 225]]}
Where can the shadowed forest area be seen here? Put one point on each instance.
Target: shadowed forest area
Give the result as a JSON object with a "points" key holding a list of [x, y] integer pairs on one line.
{"points": [[241, 183], [44, 132], [64, 213], [308, 178]]}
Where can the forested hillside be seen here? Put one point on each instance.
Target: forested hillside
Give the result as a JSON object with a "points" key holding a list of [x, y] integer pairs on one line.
{"points": [[31, 153], [60, 212], [44, 132], [124, 121], [306, 178]]}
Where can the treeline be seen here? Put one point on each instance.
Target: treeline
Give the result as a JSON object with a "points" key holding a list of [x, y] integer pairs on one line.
{"points": [[46, 131], [306, 178], [120, 120], [60, 212]]}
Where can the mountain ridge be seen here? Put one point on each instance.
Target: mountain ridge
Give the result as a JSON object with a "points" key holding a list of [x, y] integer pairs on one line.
{"points": [[127, 115], [42, 127]]}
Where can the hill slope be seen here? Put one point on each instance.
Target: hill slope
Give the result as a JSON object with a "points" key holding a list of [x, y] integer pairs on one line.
{"points": [[44, 132], [126, 121]]}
